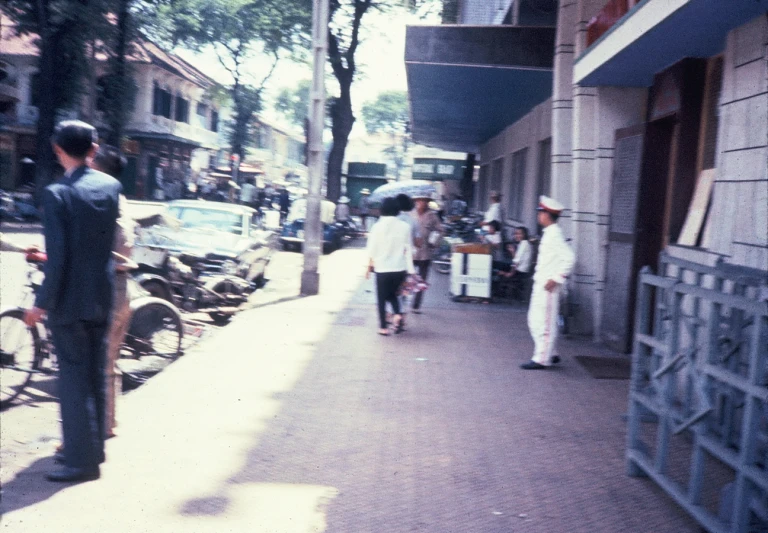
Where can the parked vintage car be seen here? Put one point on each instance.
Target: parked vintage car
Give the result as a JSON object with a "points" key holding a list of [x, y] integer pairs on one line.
{"points": [[205, 256], [292, 234]]}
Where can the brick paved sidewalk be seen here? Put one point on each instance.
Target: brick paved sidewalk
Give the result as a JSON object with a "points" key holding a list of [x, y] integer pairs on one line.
{"points": [[309, 421]]}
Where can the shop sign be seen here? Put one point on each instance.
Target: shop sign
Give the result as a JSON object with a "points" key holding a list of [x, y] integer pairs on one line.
{"points": [[437, 169]]}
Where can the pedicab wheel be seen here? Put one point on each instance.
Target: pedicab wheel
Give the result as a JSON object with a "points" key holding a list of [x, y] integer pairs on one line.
{"points": [[20, 353], [442, 263], [156, 330]]}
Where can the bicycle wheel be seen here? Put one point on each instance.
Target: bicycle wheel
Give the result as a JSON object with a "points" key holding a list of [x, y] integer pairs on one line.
{"points": [[20, 353], [155, 330], [442, 263]]}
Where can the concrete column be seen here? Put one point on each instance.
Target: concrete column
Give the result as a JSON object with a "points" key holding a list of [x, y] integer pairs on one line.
{"points": [[562, 108], [616, 107]]}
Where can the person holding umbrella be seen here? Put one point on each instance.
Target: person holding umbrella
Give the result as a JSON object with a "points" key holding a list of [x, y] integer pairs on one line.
{"points": [[430, 232]]}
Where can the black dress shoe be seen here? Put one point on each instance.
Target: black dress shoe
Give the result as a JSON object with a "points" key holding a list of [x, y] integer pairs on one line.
{"points": [[68, 474], [555, 359], [531, 365]]}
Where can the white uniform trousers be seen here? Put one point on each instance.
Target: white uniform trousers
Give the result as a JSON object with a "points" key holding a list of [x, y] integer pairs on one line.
{"points": [[542, 322]]}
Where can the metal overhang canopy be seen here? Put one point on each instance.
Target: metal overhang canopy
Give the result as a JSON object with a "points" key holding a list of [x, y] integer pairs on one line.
{"points": [[467, 83], [657, 34]]}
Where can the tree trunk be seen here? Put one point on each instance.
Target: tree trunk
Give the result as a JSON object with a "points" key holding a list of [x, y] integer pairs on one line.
{"points": [[120, 116], [46, 122], [343, 120]]}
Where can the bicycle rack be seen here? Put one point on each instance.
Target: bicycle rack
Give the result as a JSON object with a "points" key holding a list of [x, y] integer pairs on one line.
{"points": [[698, 401]]}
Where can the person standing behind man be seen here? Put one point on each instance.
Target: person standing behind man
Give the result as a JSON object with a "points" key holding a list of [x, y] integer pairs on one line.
{"points": [[79, 217], [430, 233], [554, 265], [109, 160], [247, 192]]}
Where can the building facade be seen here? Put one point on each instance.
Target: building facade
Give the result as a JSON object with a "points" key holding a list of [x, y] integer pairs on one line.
{"points": [[647, 119], [172, 131]]}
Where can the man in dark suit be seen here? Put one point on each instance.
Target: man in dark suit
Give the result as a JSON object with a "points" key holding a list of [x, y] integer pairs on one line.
{"points": [[79, 216]]}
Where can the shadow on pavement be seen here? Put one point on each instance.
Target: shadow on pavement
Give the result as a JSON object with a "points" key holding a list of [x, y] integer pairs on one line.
{"points": [[438, 430], [30, 487]]}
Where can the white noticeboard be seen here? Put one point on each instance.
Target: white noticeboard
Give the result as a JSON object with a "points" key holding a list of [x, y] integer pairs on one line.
{"points": [[471, 275]]}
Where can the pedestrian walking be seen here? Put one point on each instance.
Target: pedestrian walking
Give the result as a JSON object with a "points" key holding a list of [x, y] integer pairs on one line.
{"points": [[248, 193], [555, 262], [79, 218], [364, 209], [391, 259], [430, 234], [285, 204], [110, 161]]}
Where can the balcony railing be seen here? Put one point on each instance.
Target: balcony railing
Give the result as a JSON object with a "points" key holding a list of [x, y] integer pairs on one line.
{"points": [[607, 17]]}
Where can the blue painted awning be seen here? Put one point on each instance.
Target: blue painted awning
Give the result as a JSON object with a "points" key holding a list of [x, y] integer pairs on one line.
{"points": [[467, 83], [656, 34]]}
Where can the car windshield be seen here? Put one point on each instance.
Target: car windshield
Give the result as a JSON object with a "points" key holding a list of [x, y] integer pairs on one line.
{"points": [[197, 218]]}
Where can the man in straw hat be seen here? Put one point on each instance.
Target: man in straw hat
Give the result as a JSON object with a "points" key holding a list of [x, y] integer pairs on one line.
{"points": [[430, 232], [554, 264]]}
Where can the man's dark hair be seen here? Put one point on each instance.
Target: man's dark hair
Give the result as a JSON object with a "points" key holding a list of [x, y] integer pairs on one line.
{"points": [[553, 216], [495, 225], [110, 160], [404, 202], [389, 208], [525, 231], [75, 137]]}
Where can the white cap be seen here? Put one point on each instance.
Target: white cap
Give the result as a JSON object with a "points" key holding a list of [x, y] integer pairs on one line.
{"points": [[548, 204]]}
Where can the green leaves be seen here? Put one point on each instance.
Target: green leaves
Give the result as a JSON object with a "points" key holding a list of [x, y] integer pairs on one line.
{"points": [[387, 114]]}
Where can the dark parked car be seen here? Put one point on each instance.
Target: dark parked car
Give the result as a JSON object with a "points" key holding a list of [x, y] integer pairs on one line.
{"points": [[292, 234]]}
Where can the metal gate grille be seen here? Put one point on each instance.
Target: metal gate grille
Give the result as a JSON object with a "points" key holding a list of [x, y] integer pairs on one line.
{"points": [[698, 403]]}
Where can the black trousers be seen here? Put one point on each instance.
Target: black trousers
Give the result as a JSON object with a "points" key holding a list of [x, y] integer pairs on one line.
{"points": [[422, 267], [81, 349], [387, 285]]}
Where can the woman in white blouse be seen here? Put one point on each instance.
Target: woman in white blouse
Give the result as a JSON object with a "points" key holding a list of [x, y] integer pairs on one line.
{"points": [[390, 258]]}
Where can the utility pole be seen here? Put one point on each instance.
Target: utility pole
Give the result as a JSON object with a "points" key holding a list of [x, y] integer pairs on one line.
{"points": [[313, 226]]}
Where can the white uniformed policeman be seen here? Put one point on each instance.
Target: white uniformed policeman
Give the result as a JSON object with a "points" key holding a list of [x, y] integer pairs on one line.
{"points": [[554, 264]]}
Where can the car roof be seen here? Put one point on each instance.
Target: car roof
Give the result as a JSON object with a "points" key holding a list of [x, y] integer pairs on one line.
{"points": [[219, 206]]}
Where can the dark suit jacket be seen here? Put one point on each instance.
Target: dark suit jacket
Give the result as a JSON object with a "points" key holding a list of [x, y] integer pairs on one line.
{"points": [[79, 214]]}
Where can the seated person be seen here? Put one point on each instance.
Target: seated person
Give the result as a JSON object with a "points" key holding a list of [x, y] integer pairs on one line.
{"points": [[494, 238], [522, 255]]}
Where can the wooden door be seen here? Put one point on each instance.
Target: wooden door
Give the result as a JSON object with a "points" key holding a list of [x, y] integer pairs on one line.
{"points": [[618, 295]]}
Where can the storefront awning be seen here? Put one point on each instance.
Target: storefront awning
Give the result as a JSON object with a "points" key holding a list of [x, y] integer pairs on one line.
{"points": [[141, 135], [656, 34], [467, 83]]}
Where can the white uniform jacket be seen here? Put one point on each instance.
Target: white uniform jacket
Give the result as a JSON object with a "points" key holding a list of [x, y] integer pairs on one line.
{"points": [[556, 258]]}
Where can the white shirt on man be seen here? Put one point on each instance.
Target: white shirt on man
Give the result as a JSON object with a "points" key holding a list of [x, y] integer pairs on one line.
{"points": [[556, 258], [390, 246]]}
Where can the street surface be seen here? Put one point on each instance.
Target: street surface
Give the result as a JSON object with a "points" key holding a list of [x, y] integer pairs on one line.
{"points": [[298, 418]]}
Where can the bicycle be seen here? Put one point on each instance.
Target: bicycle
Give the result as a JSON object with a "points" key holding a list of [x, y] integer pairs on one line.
{"points": [[156, 330]]}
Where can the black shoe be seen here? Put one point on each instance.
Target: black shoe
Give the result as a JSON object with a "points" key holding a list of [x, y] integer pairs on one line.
{"points": [[532, 365], [68, 474], [555, 359]]}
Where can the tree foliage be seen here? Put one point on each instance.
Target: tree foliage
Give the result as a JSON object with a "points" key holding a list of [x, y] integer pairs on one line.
{"points": [[293, 102], [388, 113], [66, 31], [238, 31]]}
